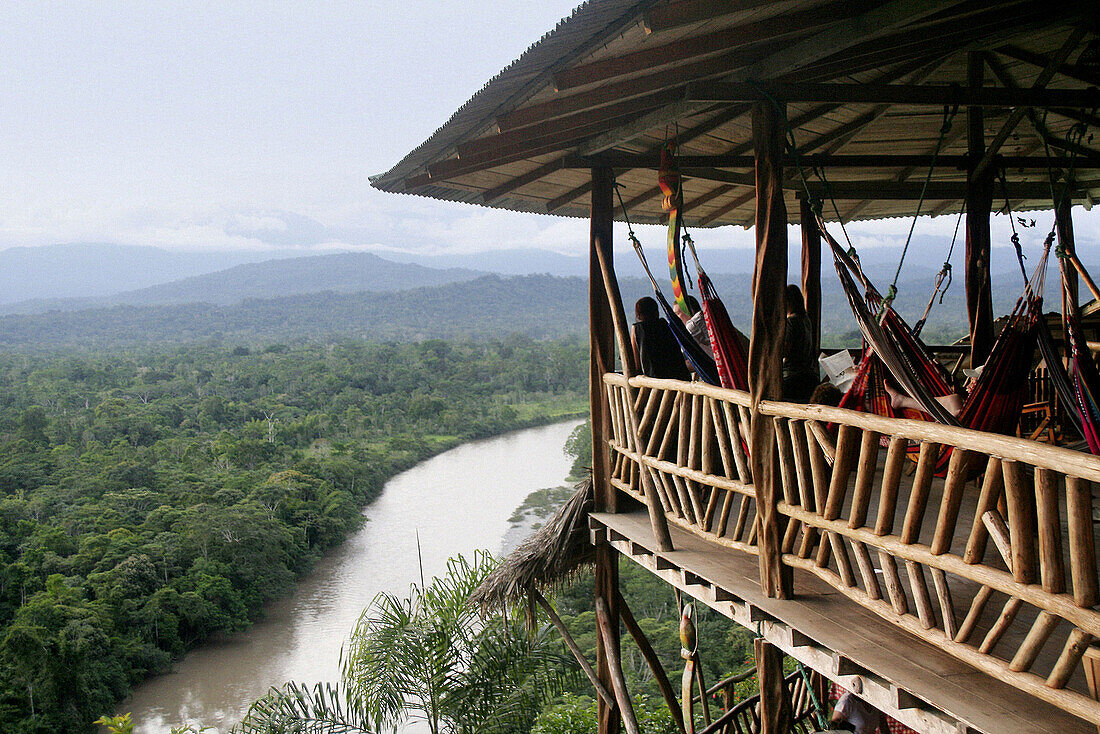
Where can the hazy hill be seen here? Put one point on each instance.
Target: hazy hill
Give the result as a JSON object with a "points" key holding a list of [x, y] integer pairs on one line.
{"points": [[539, 306], [346, 272], [341, 273], [95, 270]]}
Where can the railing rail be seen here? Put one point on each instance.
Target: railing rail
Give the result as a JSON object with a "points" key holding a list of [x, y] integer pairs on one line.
{"points": [[864, 510]]}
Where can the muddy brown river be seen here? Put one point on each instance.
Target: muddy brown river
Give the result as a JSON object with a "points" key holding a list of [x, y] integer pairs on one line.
{"points": [[457, 502]]}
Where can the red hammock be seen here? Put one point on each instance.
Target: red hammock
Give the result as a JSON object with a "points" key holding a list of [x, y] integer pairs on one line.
{"points": [[1082, 371], [728, 344], [996, 397]]}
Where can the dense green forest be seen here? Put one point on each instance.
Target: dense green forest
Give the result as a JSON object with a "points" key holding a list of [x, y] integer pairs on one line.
{"points": [[149, 499]]}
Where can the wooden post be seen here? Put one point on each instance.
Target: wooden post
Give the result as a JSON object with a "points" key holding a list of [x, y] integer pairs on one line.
{"points": [[775, 704], [602, 359], [979, 201], [766, 347], [1091, 664], [1064, 221], [811, 269]]}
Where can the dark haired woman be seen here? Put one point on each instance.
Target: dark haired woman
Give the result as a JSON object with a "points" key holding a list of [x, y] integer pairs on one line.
{"points": [[658, 353], [800, 375]]}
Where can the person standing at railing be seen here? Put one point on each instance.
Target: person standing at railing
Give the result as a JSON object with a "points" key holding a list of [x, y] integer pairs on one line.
{"points": [[800, 375], [658, 353]]}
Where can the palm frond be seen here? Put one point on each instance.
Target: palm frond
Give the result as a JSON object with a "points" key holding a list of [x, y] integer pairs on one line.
{"points": [[297, 709]]}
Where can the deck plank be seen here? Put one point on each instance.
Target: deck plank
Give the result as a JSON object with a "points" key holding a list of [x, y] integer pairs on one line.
{"points": [[842, 626]]}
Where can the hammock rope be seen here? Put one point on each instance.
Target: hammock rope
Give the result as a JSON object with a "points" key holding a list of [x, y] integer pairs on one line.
{"points": [[700, 361]]}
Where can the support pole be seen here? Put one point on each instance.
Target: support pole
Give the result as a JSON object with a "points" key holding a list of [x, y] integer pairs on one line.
{"points": [[602, 359], [657, 519], [979, 201], [775, 704], [766, 346], [1064, 221], [811, 269]]}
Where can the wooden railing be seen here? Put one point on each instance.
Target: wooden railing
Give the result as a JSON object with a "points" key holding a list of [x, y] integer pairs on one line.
{"points": [[1006, 536], [694, 445]]}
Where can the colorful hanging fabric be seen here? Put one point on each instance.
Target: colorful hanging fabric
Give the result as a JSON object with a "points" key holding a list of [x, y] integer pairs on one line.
{"points": [[729, 345], [668, 178]]}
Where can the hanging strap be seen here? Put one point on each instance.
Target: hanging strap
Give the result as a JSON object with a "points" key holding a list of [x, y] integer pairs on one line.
{"points": [[949, 113], [943, 278]]}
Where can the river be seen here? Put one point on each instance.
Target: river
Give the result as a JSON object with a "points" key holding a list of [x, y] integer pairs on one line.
{"points": [[457, 502]]}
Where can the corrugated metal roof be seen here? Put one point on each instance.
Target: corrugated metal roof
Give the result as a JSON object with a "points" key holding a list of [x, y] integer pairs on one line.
{"points": [[614, 78]]}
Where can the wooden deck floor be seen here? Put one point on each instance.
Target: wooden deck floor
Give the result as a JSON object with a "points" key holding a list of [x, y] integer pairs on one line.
{"points": [[917, 683]]}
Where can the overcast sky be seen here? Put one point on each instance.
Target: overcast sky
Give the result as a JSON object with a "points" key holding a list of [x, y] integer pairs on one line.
{"points": [[256, 125]]}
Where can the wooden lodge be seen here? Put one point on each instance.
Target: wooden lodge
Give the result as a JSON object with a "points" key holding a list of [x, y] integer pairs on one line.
{"points": [[962, 600]]}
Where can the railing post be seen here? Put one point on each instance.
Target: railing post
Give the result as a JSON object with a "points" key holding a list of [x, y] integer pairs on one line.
{"points": [[766, 347], [602, 359]]}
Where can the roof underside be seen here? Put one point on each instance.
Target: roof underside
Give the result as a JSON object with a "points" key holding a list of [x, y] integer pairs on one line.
{"points": [[864, 85]]}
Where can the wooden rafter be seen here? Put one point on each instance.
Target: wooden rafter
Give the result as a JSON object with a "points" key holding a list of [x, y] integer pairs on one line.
{"points": [[901, 94], [687, 163], [590, 119], [1072, 71], [728, 207], [1018, 113], [708, 44], [624, 90], [936, 190], [685, 12], [490, 195]]}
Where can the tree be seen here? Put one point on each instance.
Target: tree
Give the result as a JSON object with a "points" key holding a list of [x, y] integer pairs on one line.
{"points": [[428, 657]]}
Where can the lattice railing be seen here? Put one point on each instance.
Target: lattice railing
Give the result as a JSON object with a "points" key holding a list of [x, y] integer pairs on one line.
{"points": [[994, 561], [694, 446]]}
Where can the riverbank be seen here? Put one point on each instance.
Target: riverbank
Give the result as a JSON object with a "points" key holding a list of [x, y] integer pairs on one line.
{"points": [[301, 635]]}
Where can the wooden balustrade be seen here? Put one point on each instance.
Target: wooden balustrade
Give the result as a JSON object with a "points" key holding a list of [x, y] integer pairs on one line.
{"points": [[866, 512]]}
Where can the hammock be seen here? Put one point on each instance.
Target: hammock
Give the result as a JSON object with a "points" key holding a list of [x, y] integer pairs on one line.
{"points": [[727, 343], [700, 361], [994, 400], [1083, 372]]}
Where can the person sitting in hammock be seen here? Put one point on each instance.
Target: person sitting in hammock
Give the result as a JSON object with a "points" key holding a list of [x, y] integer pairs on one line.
{"points": [[695, 323], [953, 403], [658, 353], [800, 375]]}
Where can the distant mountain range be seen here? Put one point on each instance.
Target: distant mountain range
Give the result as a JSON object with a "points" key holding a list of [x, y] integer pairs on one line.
{"points": [[366, 296], [95, 270]]}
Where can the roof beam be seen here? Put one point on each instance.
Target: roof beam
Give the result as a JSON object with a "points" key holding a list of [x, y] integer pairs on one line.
{"points": [[1041, 81], [993, 23], [685, 12], [684, 136], [1088, 159], [708, 44], [845, 34], [512, 143], [572, 195], [786, 57], [728, 207], [707, 197], [937, 190], [630, 108], [615, 92], [908, 94], [488, 196], [1081, 74]]}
